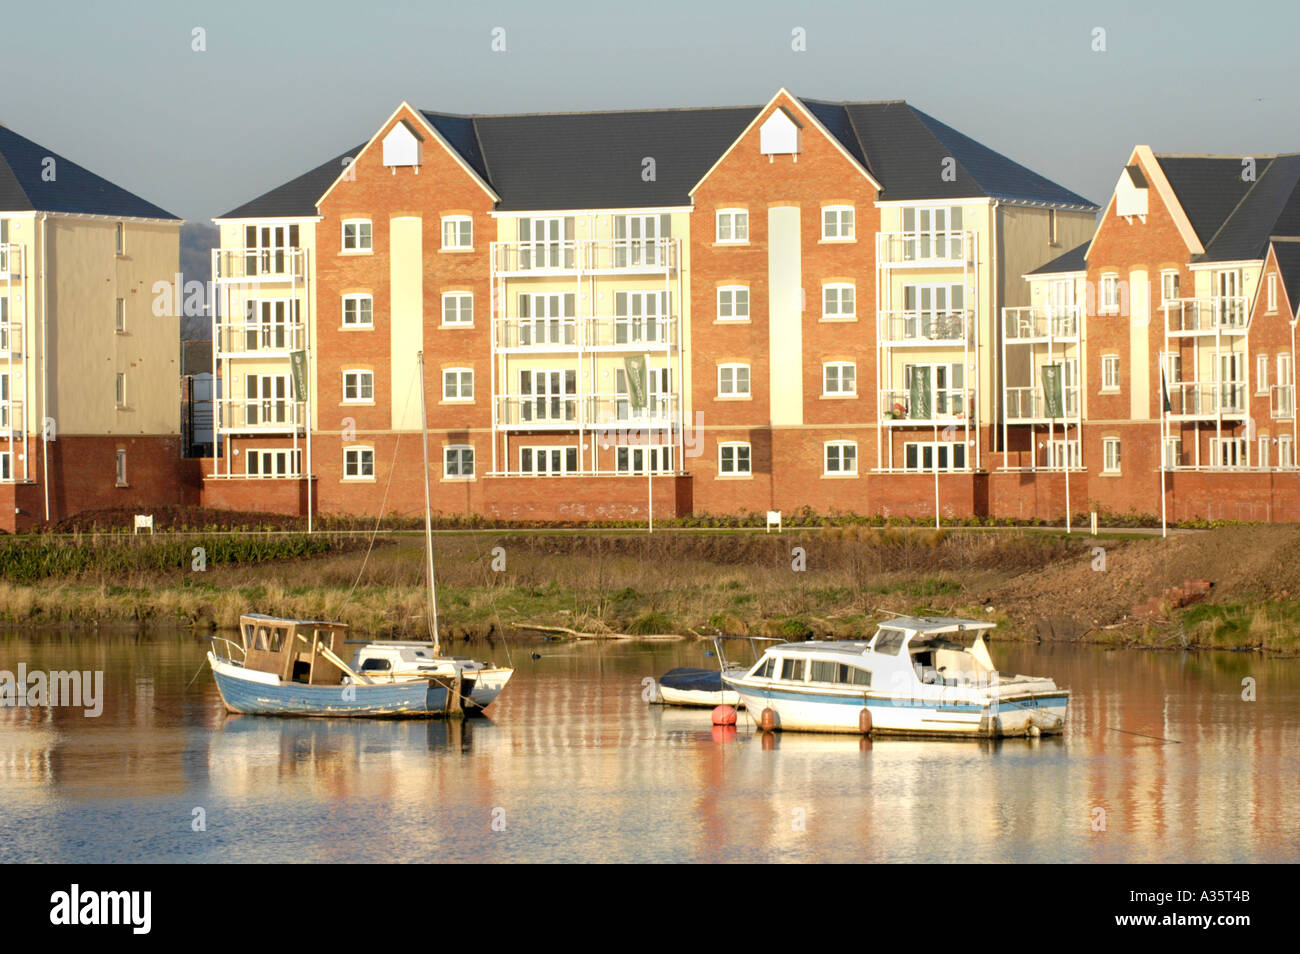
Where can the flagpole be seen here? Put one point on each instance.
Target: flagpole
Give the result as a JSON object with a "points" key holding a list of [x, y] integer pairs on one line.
{"points": [[936, 475], [649, 465], [1164, 441]]}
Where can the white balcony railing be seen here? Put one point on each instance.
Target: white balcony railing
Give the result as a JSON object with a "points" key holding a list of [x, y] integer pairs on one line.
{"points": [[569, 412], [12, 421], [260, 415], [594, 255], [1040, 324], [1188, 316], [606, 332], [924, 248], [542, 334], [917, 327], [259, 264], [1194, 399], [1030, 404], [622, 332], [11, 260], [244, 338], [1282, 402], [947, 405]]}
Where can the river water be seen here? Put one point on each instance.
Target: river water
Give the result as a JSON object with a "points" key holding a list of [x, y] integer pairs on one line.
{"points": [[1163, 760]]}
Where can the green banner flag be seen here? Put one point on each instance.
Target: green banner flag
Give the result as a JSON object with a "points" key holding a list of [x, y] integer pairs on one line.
{"points": [[636, 380], [298, 363], [919, 394], [1052, 405]]}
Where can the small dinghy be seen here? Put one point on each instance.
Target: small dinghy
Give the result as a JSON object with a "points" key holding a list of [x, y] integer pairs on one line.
{"points": [[695, 687]]}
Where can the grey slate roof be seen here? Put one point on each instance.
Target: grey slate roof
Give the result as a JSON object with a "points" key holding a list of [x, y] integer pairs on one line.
{"points": [[1072, 261], [297, 197], [595, 160], [74, 188]]}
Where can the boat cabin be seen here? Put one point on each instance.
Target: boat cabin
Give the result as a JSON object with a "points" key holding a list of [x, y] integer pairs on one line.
{"points": [[927, 646], [295, 650]]}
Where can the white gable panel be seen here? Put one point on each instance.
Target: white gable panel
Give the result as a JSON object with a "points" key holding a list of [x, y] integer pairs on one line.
{"points": [[1130, 198], [779, 135], [401, 147]]}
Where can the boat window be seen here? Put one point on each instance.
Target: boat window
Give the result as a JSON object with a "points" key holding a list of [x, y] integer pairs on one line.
{"points": [[376, 665], [889, 641], [792, 669], [825, 670], [853, 675], [764, 669], [248, 634], [262, 642], [277, 639]]}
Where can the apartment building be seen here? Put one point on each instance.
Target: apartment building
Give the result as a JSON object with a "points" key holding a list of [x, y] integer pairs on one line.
{"points": [[89, 346], [761, 307], [1173, 335]]}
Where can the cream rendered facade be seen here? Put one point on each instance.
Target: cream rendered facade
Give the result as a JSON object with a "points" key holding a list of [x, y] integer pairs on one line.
{"points": [[88, 346], [929, 253]]}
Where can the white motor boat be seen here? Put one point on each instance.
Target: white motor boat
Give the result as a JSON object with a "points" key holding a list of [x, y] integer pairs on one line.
{"points": [[912, 677]]}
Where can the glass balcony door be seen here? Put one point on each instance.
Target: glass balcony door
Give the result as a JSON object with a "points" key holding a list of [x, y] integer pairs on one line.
{"points": [[545, 243], [933, 311], [638, 317], [548, 396], [636, 239], [546, 319], [268, 325], [266, 399], [267, 247]]}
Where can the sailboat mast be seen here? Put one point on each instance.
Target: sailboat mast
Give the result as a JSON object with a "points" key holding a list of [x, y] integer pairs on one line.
{"points": [[428, 511]]}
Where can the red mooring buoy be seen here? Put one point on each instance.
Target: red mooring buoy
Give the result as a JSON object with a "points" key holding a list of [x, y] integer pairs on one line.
{"points": [[724, 715], [864, 721], [768, 720]]}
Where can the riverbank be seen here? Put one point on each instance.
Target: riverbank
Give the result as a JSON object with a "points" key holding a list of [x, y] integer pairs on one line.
{"points": [[833, 582]]}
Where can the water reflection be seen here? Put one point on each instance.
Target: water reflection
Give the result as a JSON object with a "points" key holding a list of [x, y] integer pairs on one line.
{"points": [[572, 764]]}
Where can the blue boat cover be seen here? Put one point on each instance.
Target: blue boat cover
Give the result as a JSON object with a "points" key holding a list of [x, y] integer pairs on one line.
{"points": [[693, 680]]}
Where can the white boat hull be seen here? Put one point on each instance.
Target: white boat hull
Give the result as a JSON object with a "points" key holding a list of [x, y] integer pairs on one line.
{"points": [[689, 697]]}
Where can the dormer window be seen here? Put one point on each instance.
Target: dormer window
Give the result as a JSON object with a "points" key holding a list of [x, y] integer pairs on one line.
{"points": [[779, 135], [1131, 194], [402, 147]]}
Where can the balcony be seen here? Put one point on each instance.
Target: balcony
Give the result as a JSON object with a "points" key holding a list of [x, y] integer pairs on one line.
{"points": [[536, 334], [924, 249], [949, 405], [1192, 400], [1029, 406], [606, 333], [926, 328], [262, 265], [1025, 325], [267, 340], [11, 261], [1206, 316], [569, 412], [607, 256], [11, 338], [1281, 402], [13, 424], [260, 415]]}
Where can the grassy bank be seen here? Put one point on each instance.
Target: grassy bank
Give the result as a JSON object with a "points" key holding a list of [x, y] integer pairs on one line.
{"points": [[834, 582]]}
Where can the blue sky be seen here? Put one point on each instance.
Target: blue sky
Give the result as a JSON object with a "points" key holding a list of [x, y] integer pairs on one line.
{"points": [[283, 86]]}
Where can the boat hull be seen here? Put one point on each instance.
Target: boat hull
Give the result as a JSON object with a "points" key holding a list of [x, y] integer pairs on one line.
{"points": [[251, 693], [695, 687], [1040, 713]]}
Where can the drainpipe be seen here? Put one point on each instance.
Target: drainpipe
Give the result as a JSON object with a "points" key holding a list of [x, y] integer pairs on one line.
{"points": [[45, 361]]}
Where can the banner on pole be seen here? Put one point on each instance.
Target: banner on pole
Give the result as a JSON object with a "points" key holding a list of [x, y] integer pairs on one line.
{"points": [[919, 394], [298, 364], [1052, 392], [635, 367]]}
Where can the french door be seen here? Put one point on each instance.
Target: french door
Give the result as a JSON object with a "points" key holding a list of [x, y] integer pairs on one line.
{"points": [[267, 248], [548, 396], [659, 398], [266, 399], [636, 240], [933, 311], [546, 243], [639, 317], [269, 325], [546, 319]]}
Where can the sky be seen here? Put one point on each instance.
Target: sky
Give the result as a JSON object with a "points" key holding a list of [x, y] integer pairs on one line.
{"points": [[282, 87]]}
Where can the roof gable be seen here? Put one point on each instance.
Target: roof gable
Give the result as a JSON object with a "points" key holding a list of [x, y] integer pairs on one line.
{"points": [[26, 186]]}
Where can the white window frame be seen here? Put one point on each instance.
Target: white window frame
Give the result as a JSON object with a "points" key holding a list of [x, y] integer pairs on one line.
{"points": [[936, 448], [460, 298], [6, 467], [120, 385], [839, 367], [1263, 451], [835, 293], [839, 448], [362, 238], [1261, 374], [1285, 452], [736, 447], [458, 452], [457, 377], [1165, 276], [1059, 448], [119, 467], [1233, 449], [1110, 377], [1272, 292], [731, 294], [263, 455], [1108, 294], [734, 368], [119, 318], [119, 239], [354, 461], [625, 459], [455, 222], [360, 375], [568, 460], [737, 223], [1111, 455], [1173, 453], [358, 299], [839, 216]]}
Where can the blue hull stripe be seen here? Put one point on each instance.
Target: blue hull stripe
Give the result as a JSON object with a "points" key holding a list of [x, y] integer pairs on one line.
{"points": [[403, 699], [873, 702]]}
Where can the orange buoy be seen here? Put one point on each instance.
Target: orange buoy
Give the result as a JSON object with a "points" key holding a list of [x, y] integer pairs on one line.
{"points": [[864, 721], [724, 733], [724, 715], [768, 720]]}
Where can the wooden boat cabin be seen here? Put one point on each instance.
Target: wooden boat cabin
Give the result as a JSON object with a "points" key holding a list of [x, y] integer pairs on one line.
{"points": [[295, 650]]}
